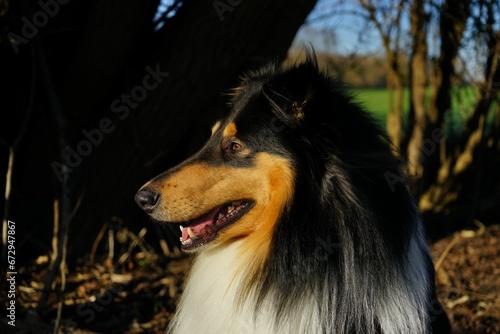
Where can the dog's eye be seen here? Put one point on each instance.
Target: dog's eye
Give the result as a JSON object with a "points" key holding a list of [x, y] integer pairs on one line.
{"points": [[234, 147]]}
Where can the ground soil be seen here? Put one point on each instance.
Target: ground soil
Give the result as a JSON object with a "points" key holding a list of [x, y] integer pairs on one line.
{"points": [[468, 278], [138, 292]]}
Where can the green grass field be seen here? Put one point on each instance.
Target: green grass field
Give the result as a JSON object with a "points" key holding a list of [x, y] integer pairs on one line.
{"points": [[376, 100]]}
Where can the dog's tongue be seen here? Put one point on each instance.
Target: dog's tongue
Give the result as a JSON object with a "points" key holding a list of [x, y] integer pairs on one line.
{"points": [[199, 224]]}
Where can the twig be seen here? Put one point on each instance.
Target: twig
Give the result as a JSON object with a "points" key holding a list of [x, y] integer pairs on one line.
{"points": [[8, 181], [163, 243], [63, 246], [96, 243], [458, 236], [482, 296], [136, 241], [55, 233], [111, 242], [448, 248], [63, 269], [13, 149]]}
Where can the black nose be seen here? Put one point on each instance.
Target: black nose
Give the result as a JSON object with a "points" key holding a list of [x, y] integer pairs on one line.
{"points": [[147, 199]]}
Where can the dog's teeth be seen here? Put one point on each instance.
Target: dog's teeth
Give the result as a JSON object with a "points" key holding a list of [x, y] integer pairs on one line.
{"points": [[220, 216], [186, 242], [180, 228], [191, 233], [230, 208], [180, 239]]}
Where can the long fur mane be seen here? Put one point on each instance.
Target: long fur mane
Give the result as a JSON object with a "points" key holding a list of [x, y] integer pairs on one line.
{"points": [[348, 254]]}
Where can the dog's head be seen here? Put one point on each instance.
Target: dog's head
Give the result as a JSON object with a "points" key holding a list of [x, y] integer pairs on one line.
{"points": [[242, 180]]}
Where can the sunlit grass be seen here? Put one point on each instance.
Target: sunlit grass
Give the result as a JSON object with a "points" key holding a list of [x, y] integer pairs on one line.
{"points": [[376, 101]]}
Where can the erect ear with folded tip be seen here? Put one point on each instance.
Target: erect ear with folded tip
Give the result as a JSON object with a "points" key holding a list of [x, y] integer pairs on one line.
{"points": [[291, 93]]}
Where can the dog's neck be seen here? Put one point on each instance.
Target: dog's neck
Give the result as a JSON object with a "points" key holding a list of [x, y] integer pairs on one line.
{"points": [[213, 302], [209, 301]]}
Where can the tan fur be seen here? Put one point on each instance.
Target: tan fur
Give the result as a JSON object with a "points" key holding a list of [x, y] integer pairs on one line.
{"points": [[230, 130], [235, 91], [215, 127], [198, 188]]}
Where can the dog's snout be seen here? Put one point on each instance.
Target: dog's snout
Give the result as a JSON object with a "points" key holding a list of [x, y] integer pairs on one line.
{"points": [[147, 199]]}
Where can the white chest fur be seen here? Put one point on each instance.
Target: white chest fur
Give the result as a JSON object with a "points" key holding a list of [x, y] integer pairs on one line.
{"points": [[208, 303]]}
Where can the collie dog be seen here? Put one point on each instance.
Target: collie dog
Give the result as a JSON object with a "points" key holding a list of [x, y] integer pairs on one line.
{"points": [[296, 222]]}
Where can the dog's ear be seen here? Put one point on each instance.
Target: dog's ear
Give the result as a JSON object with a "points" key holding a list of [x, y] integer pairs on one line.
{"points": [[292, 92]]}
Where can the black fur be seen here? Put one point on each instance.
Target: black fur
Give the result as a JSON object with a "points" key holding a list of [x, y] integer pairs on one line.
{"points": [[348, 231]]}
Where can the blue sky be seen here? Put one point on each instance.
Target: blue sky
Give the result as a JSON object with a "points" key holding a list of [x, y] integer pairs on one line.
{"points": [[339, 19], [337, 26]]}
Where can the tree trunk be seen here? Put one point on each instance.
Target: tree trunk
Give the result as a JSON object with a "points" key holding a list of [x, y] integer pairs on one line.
{"points": [[418, 82], [395, 111], [394, 75], [452, 21]]}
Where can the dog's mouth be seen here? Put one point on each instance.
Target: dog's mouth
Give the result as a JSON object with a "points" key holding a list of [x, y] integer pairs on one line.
{"points": [[199, 231]]}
